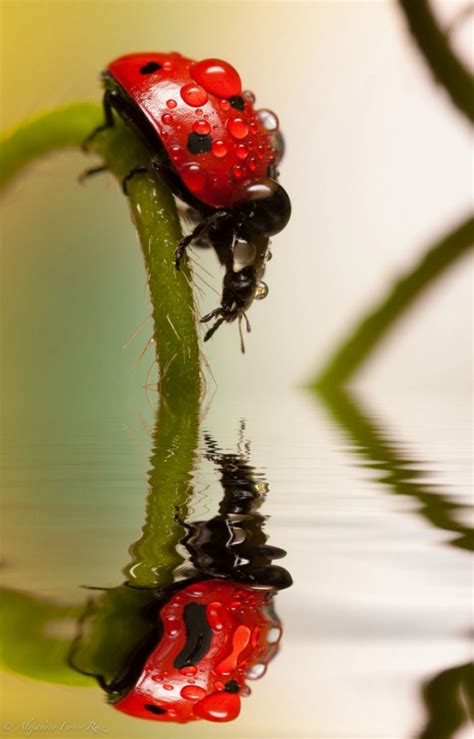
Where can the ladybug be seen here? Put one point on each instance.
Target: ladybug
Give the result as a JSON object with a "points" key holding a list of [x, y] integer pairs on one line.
{"points": [[214, 635], [216, 153]]}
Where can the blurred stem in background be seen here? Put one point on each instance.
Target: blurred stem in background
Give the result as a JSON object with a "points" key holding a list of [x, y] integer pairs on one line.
{"points": [[368, 333], [435, 46]]}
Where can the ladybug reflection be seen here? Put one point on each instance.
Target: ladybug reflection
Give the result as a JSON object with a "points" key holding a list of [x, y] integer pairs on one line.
{"points": [[184, 652], [215, 634]]}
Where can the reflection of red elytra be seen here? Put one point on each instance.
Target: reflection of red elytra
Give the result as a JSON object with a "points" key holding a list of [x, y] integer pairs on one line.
{"points": [[215, 634]]}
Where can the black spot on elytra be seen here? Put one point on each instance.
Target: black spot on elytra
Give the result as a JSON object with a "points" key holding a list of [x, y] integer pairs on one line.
{"points": [[237, 102], [232, 686], [199, 144], [150, 68], [154, 709]]}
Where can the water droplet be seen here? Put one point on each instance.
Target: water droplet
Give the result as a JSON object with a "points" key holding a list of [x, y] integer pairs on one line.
{"points": [[193, 693], [219, 149], [260, 151], [171, 104], [256, 671], [255, 636], [268, 119], [201, 127], [219, 686], [167, 118], [238, 127], [217, 77], [168, 686], [172, 626], [194, 95], [274, 635], [268, 255], [156, 678], [216, 615], [262, 291], [221, 706], [245, 691], [167, 66], [198, 111], [262, 487], [194, 176], [176, 153], [249, 96], [241, 151], [190, 670], [252, 164], [238, 172], [224, 105], [253, 127]]}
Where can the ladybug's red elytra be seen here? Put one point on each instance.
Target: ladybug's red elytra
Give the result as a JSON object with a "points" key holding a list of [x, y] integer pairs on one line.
{"points": [[216, 153], [215, 635]]}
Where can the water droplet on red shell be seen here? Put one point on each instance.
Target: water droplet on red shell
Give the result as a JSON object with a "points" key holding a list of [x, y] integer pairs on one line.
{"points": [[194, 176], [216, 614], [241, 151], [168, 686], [171, 103], [167, 118], [238, 127], [217, 77], [252, 164], [190, 670], [219, 149], [194, 95], [224, 105]]}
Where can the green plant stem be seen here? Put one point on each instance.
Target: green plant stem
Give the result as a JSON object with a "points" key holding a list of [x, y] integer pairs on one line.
{"points": [[53, 130], [368, 333], [440, 57]]}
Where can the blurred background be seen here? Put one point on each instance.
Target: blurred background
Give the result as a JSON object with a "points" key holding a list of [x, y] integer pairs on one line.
{"points": [[378, 167]]}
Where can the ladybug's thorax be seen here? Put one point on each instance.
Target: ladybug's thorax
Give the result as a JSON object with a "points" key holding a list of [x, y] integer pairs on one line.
{"points": [[214, 138]]}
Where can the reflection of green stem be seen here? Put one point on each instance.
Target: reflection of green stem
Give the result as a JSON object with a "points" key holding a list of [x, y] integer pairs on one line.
{"points": [[443, 62], [155, 554], [398, 472], [449, 701], [367, 334]]}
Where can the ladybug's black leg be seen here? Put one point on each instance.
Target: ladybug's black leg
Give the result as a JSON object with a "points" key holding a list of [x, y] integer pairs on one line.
{"points": [[90, 172], [108, 103], [201, 229], [136, 170]]}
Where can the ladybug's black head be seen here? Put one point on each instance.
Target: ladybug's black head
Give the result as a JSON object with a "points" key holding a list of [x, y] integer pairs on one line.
{"points": [[264, 207]]}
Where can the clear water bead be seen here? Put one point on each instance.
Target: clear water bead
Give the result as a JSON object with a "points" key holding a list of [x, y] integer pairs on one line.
{"points": [[262, 291]]}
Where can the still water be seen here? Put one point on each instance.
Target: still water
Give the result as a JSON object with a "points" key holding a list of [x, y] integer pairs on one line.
{"points": [[366, 495]]}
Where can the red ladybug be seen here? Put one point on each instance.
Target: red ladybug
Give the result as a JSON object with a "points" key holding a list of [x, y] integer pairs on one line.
{"points": [[215, 634], [216, 153]]}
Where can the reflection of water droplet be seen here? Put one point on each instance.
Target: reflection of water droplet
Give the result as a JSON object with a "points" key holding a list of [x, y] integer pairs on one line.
{"points": [[262, 291], [256, 671], [190, 670], [172, 626], [262, 487], [201, 127], [216, 615], [171, 104], [194, 95], [238, 127], [268, 119], [273, 635], [249, 96], [192, 693], [219, 149]]}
